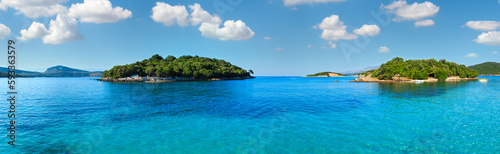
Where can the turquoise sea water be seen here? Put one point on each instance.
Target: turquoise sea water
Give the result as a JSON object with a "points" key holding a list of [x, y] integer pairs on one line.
{"points": [[262, 115]]}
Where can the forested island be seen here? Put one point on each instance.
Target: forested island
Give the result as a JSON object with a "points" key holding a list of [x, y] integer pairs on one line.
{"points": [[326, 74], [487, 68], [428, 70], [184, 68]]}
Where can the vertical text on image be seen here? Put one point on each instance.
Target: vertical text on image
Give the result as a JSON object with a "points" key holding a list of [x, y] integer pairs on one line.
{"points": [[11, 92]]}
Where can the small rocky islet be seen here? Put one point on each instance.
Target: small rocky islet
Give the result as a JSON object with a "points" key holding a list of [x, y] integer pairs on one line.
{"points": [[326, 74]]}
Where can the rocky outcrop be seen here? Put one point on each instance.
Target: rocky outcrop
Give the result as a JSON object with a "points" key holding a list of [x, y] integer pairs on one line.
{"points": [[368, 78], [169, 79]]}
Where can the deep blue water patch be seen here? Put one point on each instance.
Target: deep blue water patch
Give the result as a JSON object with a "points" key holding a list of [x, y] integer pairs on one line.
{"points": [[262, 115]]}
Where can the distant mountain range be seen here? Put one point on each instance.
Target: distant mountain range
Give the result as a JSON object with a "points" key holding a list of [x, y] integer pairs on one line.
{"points": [[56, 71], [487, 68], [2, 74], [21, 72], [354, 72]]}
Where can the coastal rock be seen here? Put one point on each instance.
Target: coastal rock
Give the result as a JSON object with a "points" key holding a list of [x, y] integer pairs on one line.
{"points": [[326, 74], [167, 79], [368, 78]]}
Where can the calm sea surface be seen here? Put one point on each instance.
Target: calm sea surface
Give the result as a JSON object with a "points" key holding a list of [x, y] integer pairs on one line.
{"points": [[262, 115]]}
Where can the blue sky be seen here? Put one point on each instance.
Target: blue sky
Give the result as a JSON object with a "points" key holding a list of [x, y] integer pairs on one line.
{"points": [[271, 37]]}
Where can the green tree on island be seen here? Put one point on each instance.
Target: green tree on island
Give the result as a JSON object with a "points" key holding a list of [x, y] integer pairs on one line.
{"points": [[184, 66], [422, 69], [487, 68]]}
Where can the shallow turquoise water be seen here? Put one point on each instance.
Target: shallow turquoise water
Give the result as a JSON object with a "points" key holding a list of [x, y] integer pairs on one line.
{"points": [[262, 115]]}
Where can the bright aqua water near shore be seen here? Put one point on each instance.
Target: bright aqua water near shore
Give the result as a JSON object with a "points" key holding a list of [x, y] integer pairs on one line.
{"points": [[262, 115]]}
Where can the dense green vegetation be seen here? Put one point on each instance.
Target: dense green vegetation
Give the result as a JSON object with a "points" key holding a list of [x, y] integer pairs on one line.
{"points": [[184, 66], [487, 68], [325, 73], [422, 69]]}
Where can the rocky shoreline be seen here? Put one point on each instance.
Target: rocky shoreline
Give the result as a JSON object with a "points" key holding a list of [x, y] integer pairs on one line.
{"points": [[169, 79], [368, 78]]}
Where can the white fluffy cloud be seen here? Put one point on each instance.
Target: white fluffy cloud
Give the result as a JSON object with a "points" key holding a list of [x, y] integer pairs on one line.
{"points": [[489, 38], [334, 29], [199, 16], [424, 23], [332, 22], [169, 15], [231, 31], [35, 8], [98, 11], [300, 2], [367, 30], [415, 11], [210, 24], [384, 49], [3, 6], [4, 31], [494, 52], [63, 29], [36, 30], [279, 49], [336, 35], [471, 55], [483, 25]]}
